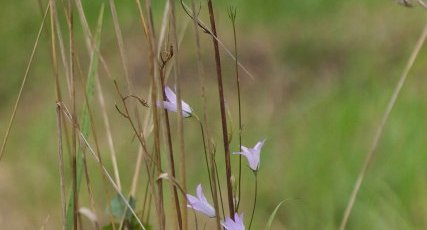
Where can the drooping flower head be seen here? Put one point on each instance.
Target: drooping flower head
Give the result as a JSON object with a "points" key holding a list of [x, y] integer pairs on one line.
{"points": [[236, 224], [200, 203], [172, 105], [252, 154]]}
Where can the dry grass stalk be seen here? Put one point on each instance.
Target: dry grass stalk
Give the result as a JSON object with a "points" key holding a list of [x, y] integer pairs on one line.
{"points": [[380, 128], [24, 80]]}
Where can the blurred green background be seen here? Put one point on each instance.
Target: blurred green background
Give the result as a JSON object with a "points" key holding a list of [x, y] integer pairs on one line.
{"points": [[324, 69]]}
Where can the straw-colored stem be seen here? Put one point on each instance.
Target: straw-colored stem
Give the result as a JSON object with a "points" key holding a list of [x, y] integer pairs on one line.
{"points": [[24, 80], [380, 128]]}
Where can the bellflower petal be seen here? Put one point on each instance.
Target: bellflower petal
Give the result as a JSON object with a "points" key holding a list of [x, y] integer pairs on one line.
{"points": [[170, 95], [236, 224], [252, 154], [169, 106], [259, 145], [200, 203], [172, 105]]}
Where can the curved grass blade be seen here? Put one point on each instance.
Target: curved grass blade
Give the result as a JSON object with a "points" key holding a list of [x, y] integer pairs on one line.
{"points": [[273, 214]]}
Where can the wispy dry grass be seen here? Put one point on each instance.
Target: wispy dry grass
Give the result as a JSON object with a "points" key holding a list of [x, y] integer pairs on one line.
{"points": [[21, 88], [380, 129]]}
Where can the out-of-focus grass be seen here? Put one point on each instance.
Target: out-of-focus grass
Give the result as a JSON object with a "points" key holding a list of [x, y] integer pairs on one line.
{"points": [[325, 72]]}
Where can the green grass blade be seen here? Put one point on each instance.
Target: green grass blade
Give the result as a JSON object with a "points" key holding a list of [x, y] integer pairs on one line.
{"points": [[270, 220], [85, 126]]}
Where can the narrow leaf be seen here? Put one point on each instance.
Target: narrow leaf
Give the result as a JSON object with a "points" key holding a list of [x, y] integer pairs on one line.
{"points": [[85, 117], [270, 220]]}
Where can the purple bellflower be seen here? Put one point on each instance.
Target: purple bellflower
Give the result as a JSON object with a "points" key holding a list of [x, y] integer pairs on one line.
{"points": [[200, 203], [252, 154], [236, 224], [172, 105]]}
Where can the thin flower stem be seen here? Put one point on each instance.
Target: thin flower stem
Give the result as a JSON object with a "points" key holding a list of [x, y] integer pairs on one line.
{"points": [[255, 199], [219, 188], [232, 15], [206, 154], [211, 173]]}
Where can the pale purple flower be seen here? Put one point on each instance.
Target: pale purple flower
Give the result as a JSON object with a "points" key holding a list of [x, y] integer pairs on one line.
{"points": [[172, 105], [200, 203], [252, 154], [236, 224]]}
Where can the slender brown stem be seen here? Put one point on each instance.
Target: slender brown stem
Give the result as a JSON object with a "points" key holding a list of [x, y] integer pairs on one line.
{"points": [[223, 113], [180, 120], [135, 130], [170, 149]]}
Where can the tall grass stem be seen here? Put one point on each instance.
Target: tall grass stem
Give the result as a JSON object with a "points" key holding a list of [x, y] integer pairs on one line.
{"points": [[380, 128]]}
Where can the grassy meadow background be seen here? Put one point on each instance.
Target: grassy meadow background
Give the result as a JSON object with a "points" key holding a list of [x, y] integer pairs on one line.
{"points": [[324, 71]]}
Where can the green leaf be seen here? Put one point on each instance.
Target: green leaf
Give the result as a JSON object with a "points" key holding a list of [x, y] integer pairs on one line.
{"points": [[270, 220], [118, 207]]}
